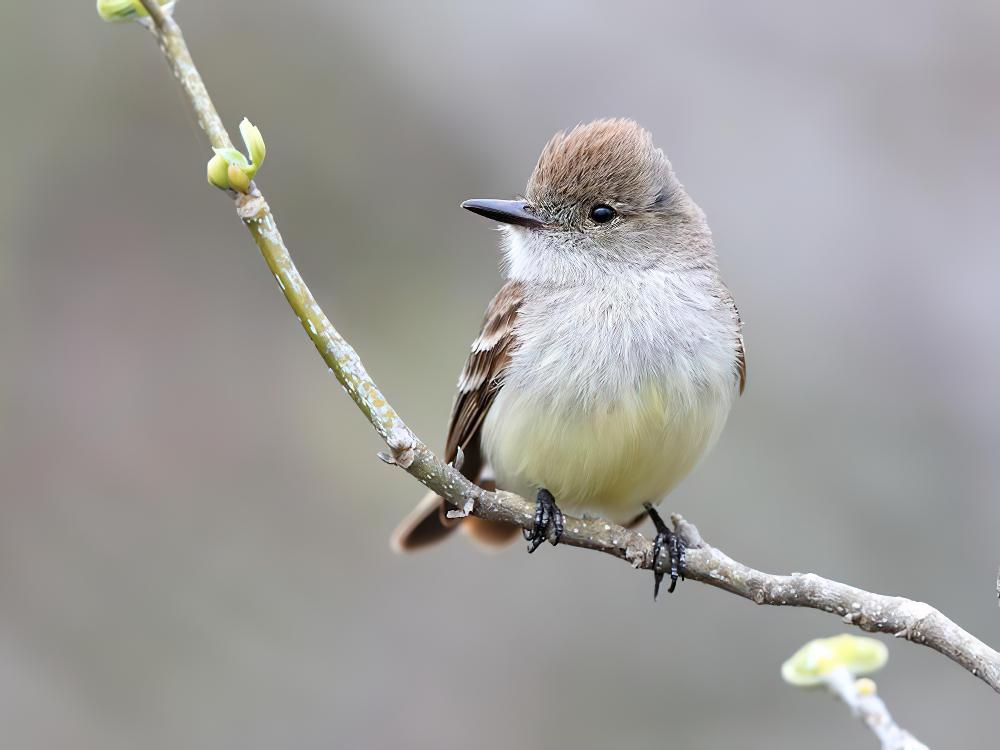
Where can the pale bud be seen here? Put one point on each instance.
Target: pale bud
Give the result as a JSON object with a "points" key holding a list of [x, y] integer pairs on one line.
{"points": [[230, 168], [815, 662], [865, 686], [218, 172], [238, 179], [237, 168], [127, 10], [254, 142]]}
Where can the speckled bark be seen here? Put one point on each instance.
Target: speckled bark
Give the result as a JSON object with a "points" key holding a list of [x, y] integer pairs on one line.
{"points": [[903, 618]]}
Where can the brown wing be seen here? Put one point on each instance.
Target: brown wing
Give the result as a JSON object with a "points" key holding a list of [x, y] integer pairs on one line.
{"points": [[478, 386], [741, 353], [741, 356], [482, 377]]}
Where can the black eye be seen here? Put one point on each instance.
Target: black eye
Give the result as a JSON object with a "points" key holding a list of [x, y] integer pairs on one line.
{"points": [[602, 214]]}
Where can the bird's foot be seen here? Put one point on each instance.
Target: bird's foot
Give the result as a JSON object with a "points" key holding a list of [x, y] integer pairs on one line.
{"points": [[547, 516], [667, 540]]}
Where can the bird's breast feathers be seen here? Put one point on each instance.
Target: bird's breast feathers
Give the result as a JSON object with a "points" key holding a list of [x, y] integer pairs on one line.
{"points": [[610, 400]]}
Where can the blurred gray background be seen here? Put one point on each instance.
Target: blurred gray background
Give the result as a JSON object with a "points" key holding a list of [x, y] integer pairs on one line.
{"points": [[193, 523]]}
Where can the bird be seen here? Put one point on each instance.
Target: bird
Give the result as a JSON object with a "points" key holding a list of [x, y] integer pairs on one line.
{"points": [[607, 363]]}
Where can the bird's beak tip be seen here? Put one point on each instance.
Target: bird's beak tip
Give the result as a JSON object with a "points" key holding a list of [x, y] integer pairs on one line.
{"points": [[519, 213]]}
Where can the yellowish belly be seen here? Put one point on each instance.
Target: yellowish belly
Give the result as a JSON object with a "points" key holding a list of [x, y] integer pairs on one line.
{"points": [[610, 460]]}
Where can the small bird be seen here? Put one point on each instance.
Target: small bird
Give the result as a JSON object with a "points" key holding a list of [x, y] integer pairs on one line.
{"points": [[608, 362]]}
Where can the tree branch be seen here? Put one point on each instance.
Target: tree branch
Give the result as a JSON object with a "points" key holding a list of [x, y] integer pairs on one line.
{"points": [[903, 618]]}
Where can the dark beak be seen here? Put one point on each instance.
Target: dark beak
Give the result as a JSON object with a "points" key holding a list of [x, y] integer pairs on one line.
{"points": [[506, 212]]}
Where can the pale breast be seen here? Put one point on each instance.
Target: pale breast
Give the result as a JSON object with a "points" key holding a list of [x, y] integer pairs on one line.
{"points": [[611, 399]]}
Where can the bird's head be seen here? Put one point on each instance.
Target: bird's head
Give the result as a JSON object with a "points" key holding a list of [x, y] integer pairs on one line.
{"points": [[600, 196]]}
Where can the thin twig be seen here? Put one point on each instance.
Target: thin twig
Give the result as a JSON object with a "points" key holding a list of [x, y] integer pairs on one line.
{"points": [[904, 618], [871, 709]]}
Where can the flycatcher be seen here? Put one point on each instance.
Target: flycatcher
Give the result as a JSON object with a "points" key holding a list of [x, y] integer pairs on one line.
{"points": [[609, 360]]}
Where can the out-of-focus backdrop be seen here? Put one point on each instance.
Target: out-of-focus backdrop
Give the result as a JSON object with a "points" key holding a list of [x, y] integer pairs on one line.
{"points": [[193, 522]]}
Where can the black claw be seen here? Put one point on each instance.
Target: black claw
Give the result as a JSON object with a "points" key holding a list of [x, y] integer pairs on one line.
{"points": [[665, 539], [547, 514]]}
